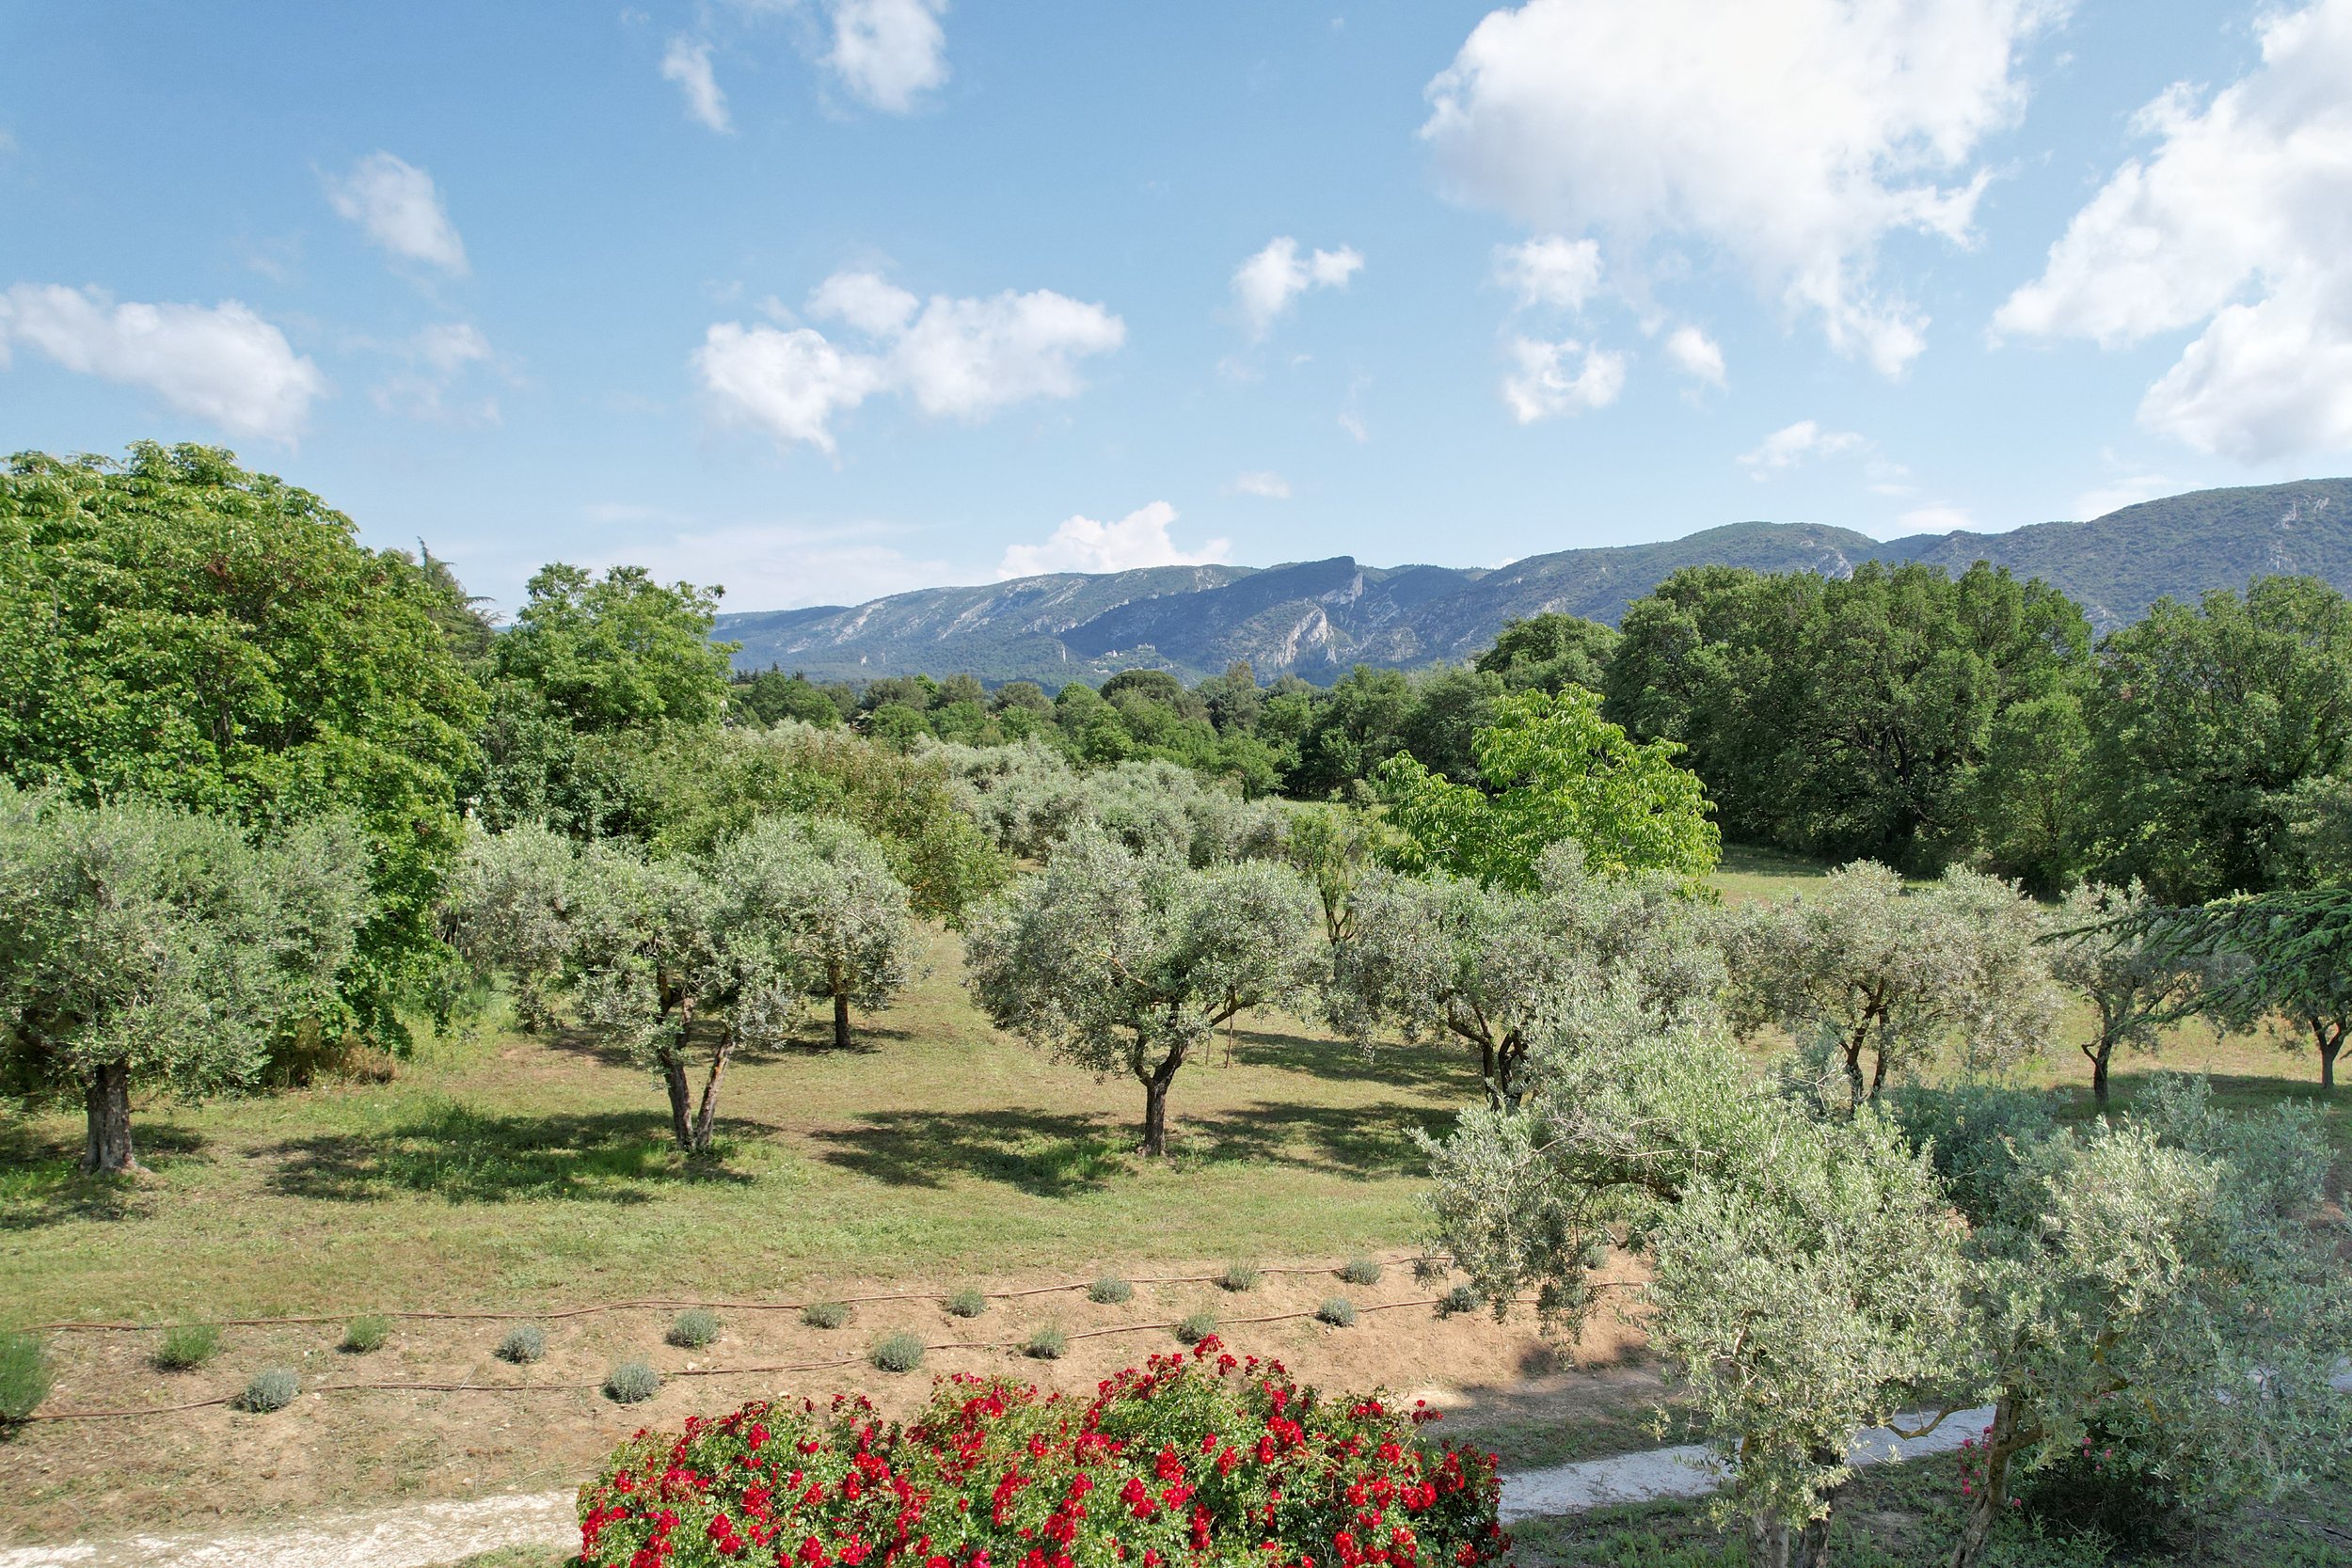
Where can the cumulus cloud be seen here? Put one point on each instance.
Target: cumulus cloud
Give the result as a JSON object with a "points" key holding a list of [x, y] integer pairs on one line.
{"points": [[1936, 519], [2240, 218], [889, 53], [1540, 382], [439, 358], [398, 207], [687, 62], [1259, 482], [1269, 283], [965, 357], [1791, 137], [1549, 270], [1696, 356], [223, 364], [1139, 539], [1793, 445]]}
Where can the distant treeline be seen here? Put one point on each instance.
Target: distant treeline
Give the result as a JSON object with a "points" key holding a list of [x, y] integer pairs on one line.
{"points": [[1900, 714]]}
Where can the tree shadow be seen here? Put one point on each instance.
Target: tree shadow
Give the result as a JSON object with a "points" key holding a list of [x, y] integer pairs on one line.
{"points": [[1359, 1141], [42, 1183], [1447, 1068], [463, 1156], [1043, 1153]]}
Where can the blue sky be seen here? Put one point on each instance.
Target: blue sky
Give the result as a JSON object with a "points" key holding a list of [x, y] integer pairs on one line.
{"points": [[821, 299]]}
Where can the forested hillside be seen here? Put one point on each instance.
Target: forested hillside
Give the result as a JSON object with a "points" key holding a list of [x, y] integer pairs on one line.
{"points": [[1318, 619]]}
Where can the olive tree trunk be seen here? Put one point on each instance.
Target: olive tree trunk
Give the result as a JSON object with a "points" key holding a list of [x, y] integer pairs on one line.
{"points": [[1156, 1081], [841, 1008], [106, 1095], [2001, 1444]]}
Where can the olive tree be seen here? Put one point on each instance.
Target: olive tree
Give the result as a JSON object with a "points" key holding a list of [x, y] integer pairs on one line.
{"points": [[509, 908], [1332, 846], [144, 945], [1805, 1273], [840, 917], [1863, 967], [2134, 982], [1440, 956], [1121, 961]]}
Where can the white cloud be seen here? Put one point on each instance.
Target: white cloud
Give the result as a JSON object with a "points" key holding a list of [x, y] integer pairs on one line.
{"points": [[2241, 219], [687, 62], [1541, 385], [441, 356], [2117, 493], [967, 357], [1802, 442], [1139, 539], [889, 53], [396, 204], [1354, 424], [1259, 482], [781, 565], [1549, 270], [1936, 519], [225, 364], [1790, 135], [1696, 356], [1269, 283]]}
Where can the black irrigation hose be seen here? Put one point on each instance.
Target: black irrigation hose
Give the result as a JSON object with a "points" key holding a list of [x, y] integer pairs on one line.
{"points": [[662, 1303], [712, 1371]]}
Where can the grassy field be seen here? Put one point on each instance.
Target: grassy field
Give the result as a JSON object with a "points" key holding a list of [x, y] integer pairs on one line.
{"points": [[499, 1171]]}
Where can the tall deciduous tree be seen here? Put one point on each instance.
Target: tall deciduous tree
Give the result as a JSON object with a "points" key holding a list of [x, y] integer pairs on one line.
{"points": [[621, 652], [143, 945], [1124, 962], [1559, 771], [1882, 976], [178, 627]]}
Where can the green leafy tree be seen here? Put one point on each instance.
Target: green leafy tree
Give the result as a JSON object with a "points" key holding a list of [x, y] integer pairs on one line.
{"points": [[2134, 982], [621, 652], [1124, 962], [1559, 771], [509, 909], [2286, 953], [1868, 970], [144, 945], [177, 627], [1333, 847], [2203, 721], [1550, 651], [840, 917]]}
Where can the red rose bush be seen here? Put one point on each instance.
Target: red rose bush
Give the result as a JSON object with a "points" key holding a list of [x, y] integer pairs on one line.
{"points": [[1185, 1463]]}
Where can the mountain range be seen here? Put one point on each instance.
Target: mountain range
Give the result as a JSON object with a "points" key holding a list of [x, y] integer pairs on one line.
{"points": [[1317, 618]]}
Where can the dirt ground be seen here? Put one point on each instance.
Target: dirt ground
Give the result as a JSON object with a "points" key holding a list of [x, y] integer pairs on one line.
{"points": [[1503, 1385]]}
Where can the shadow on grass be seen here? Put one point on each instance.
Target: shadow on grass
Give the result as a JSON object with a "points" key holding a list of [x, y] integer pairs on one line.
{"points": [[1446, 1068], [465, 1156], [1043, 1153], [1348, 1140], [42, 1181]]}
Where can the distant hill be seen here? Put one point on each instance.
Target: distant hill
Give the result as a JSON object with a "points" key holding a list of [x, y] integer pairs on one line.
{"points": [[1317, 618]]}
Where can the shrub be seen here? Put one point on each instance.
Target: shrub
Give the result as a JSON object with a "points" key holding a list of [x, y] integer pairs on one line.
{"points": [[897, 1353], [1196, 1326], [24, 1377], [967, 1302], [2101, 1489], [1428, 1270], [631, 1382], [1110, 1291], [523, 1345], [1461, 1298], [366, 1334], [1361, 1271], [1338, 1311], [188, 1346], [1046, 1344], [993, 1469], [695, 1328], [1238, 1277], [273, 1389], [824, 1314]]}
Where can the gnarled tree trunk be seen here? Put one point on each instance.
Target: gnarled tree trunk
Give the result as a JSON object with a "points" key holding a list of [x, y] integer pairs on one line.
{"points": [[841, 1008], [107, 1096], [706, 1113], [681, 1097], [1991, 1491], [1156, 1081]]}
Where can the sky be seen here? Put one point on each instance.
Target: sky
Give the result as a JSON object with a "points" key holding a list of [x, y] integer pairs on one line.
{"points": [[819, 300]]}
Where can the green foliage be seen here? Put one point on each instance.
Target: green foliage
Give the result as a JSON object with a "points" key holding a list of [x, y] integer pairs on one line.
{"points": [[1550, 651], [825, 1314], [1338, 1311], [1193, 1327], [1978, 1138], [1115, 962], [142, 942], [771, 697], [177, 627], [632, 1381], [1361, 1271], [1047, 1343], [1332, 847], [2288, 953], [695, 1328], [1458, 1299], [522, 1345], [366, 1334], [618, 652], [2134, 981], [25, 1377], [1238, 1276], [271, 1389], [1109, 1291], [2101, 1492], [1560, 771], [895, 1353], [966, 1302], [185, 1347]]}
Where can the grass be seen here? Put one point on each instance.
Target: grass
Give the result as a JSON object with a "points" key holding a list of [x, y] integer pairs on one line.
{"points": [[185, 1347], [24, 1377], [366, 1334]]}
